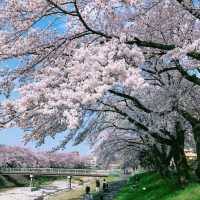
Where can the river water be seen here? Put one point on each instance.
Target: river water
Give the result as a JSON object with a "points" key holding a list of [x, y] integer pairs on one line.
{"points": [[24, 193]]}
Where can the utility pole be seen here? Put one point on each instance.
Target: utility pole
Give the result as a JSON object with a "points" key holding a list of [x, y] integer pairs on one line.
{"points": [[70, 182], [31, 181]]}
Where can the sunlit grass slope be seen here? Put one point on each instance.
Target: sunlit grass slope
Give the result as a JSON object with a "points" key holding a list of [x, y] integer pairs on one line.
{"points": [[152, 187]]}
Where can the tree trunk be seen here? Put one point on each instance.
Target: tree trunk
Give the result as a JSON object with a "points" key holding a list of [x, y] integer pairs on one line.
{"points": [[196, 133], [179, 156], [161, 159], [181, 164]]}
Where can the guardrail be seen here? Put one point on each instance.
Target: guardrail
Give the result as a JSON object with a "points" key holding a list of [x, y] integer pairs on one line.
{"points": [[55, 171]]}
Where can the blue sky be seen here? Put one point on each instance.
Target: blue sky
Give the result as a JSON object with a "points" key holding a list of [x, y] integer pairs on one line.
{"points": [[196, 2], [14, 137]]}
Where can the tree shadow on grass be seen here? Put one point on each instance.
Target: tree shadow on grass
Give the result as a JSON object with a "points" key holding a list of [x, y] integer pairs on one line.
{"points": [[14, 181], [2, 182]]}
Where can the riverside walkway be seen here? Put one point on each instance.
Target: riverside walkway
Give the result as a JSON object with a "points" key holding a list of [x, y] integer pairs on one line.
{"points": [[114, 188], [55, 172]]}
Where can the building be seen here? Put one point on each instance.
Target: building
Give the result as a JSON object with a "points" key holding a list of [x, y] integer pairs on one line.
{"points": [[190, 154], [114, 165], [92, 161]]}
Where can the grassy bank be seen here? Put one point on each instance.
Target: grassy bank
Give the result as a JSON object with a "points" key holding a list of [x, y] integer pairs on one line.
{"points": [[152, 187], [13, 181], [21, 181]]}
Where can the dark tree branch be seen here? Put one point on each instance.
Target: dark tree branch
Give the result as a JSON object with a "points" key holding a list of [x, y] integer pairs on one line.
{"points": [[61, 9], [151, 44], [86, 25], [194, 55], [167, 69], [161, 139], [77, 13], [184, 73], [134, 100], [193, 121], [192, 11], [141, 126]]}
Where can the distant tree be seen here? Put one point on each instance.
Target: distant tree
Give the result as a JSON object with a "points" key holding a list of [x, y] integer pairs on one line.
{"points": [[22, 157]]}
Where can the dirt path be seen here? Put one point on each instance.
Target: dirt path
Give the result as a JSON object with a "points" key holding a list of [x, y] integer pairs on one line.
{"points": [[76, 194]]}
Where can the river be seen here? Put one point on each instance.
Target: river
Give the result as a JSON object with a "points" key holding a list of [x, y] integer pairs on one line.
{"points": [[24, 193]]}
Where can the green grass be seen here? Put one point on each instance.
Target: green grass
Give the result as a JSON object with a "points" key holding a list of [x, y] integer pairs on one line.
{"points": [[13, 181], [157, 188], [21, 181]]}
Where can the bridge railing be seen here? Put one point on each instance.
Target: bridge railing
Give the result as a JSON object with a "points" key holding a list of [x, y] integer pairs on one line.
{"points": [[54, 171]]}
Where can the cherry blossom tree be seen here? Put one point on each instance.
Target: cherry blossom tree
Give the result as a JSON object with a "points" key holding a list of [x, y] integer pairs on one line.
{"points": [[136, 124], [16, 157], [72, 56], [13, 156]]}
